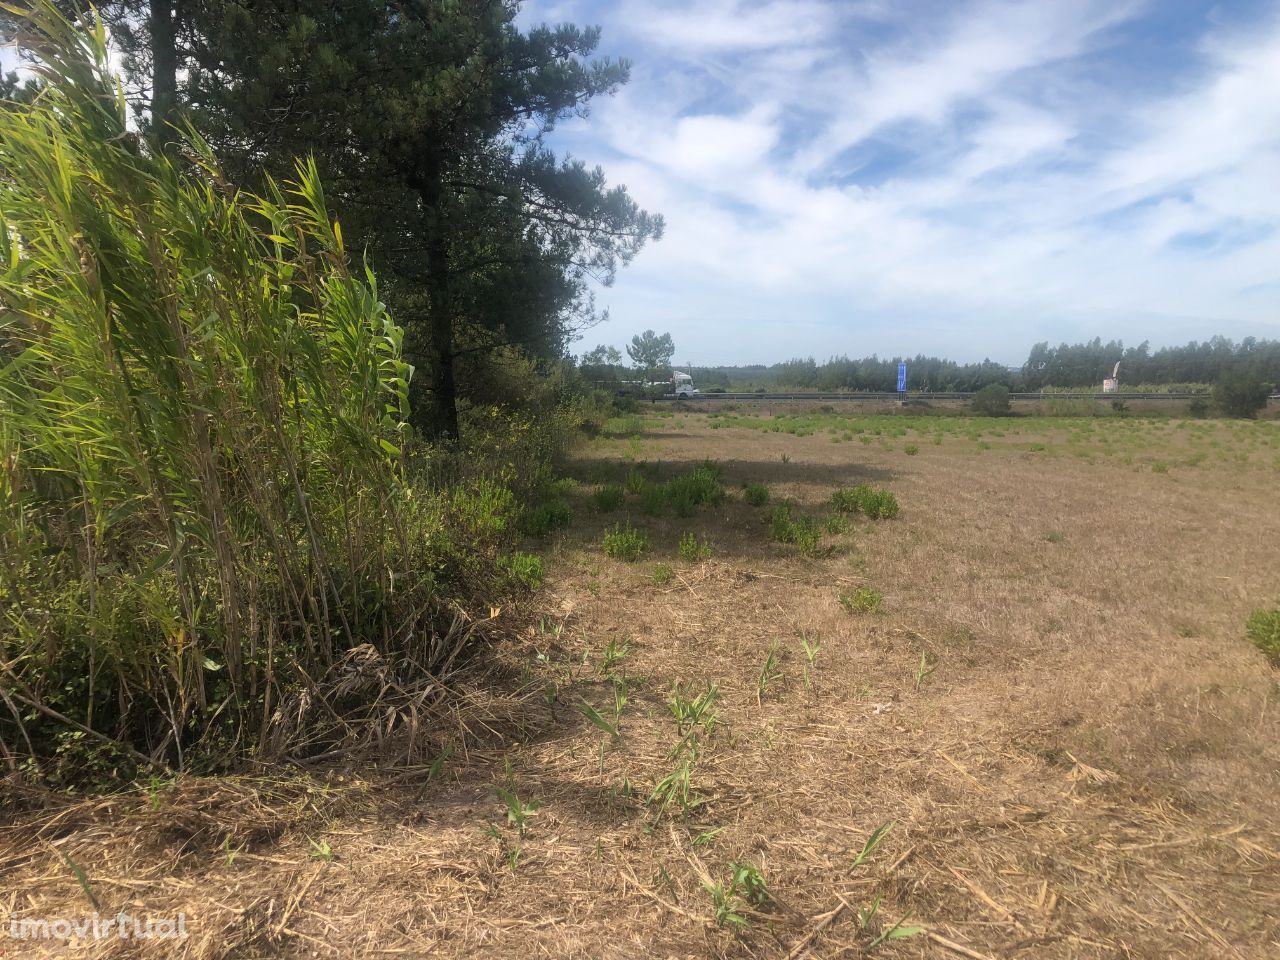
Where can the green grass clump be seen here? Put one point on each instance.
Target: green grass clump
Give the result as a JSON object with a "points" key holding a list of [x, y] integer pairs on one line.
{"points": [[625, 543], [523, 569], [876, 504], [684, 495], [693, 549], [802, 531], [1263, 631], [699, 488], [862, 600], [663, 574], [207, 496], [608, 499], [910, 449], [540, 520], [635, 482], [756, 494]]}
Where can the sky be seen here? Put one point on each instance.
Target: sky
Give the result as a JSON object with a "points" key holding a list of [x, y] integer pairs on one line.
{"points": [[960, 178]]}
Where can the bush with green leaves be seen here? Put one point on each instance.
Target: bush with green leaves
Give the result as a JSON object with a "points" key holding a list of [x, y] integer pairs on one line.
{"points": [[1240, 394], [787, 526], [700, 487], [1263, 631], [608, 499], [663, 574], [208, 495], [684, 495], [756, 494], [874, 503], [693, 549], [991, 401], [635, 482], [523, 569], [862, 600], [625, 542], [539, 520]]}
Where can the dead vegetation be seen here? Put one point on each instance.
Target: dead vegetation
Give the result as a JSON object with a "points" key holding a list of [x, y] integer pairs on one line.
{"points": [[1072, 740]]}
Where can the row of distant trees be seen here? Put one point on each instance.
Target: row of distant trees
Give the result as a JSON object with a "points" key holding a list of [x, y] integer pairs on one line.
{"points": [[1066, 365]]}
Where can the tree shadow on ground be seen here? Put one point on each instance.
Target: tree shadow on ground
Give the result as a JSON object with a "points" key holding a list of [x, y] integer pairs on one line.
{"points": [[734, 472]]}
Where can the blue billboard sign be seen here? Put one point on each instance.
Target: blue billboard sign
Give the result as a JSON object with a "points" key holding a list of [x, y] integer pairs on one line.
{"points": [[902, 378]]}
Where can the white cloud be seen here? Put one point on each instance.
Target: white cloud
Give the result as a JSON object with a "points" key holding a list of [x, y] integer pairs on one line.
{"points": [[850, 178]]}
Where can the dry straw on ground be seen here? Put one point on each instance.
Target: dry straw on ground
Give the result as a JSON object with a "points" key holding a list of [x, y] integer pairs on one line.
{"points": [[1086, 765]]}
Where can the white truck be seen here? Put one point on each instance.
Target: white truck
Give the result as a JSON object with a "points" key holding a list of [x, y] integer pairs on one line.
{"points": [[682, 384]]}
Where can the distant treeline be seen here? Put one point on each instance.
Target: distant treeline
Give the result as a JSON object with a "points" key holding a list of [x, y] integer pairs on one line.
{"points": [[1066, 365]]}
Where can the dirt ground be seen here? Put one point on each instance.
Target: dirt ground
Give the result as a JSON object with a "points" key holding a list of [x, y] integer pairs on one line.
{"points": [[1054, 707]]}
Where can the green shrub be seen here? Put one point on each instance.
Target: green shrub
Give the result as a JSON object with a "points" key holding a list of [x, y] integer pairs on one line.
{"points": [[756, 494], [608, 499], [483, 509], [684, 495], [910, 449], [201, 379], [1198, 407], [862, 600], [802, 531], [540, 520], [1263, 631], [635, 482], [991, 401], [693, 549], [625, 543], [699, 488], [663, 574], [806, 534], [780, 523], [849, 499], [523, 569], [876, 504], [1240, 394], [881, 505]]}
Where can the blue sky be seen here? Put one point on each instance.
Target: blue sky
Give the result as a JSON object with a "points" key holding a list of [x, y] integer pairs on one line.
{"points": [[959, 178]]}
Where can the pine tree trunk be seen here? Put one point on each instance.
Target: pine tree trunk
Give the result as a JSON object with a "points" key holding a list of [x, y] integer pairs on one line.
{"points": [[442, 422], [164, 68]]}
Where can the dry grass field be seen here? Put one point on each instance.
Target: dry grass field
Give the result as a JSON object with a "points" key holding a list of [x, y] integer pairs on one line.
{"points": [[1053, 705]]}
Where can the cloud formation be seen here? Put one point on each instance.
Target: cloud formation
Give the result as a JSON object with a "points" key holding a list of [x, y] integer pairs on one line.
{"points": [[952, 178]]}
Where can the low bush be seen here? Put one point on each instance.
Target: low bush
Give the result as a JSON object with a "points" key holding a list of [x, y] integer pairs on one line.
{"points": [[523, 569], [876, 504], [694, 549], [862, 600], [1263, 631], [625, 543], [991, 401], [756, 494], [700, 487], [684, 495], [540, 520], [663, 574], [802, 531], [1240, 394], [608, 499]]}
